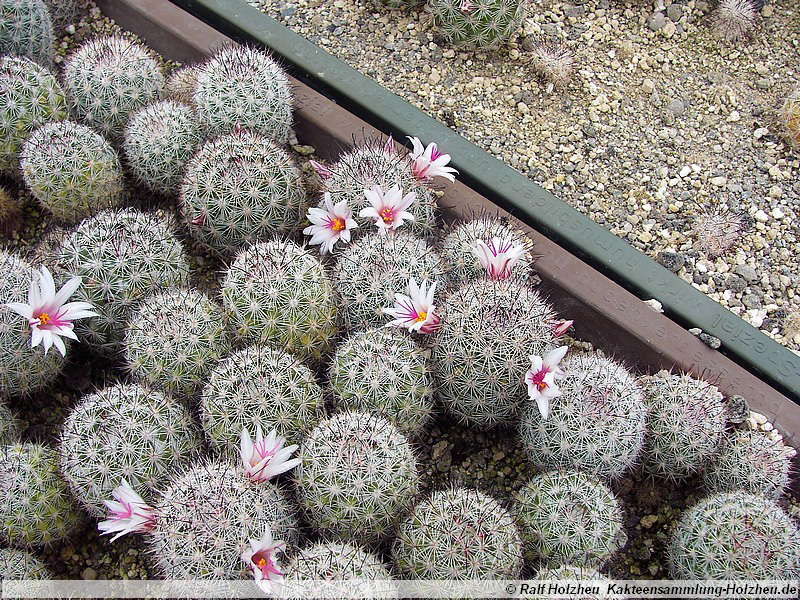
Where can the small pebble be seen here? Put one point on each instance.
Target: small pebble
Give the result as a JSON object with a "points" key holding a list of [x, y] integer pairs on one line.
{"points": [[710, 341]]}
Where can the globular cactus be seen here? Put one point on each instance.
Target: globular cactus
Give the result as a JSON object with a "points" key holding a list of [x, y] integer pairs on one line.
{"points": [[552, 61], [386, 373], [458, 244], [596, 425], [483, 346], [9, 428], [26, 29], [733, 20], [244, 87], [476, 24], [181, 83], [23, 369], [277, 293], [749, 461], [30, 96], [357, 478], [173, 340], [206, 517], [241, 188], [109, 77], [459, 534], [735, 535], [259, 386], [372, 269], [124, 431], [341, 564], [35, 505], [72, 171], [594, 583], [717, 228], [373, 162], [685, 424], [122, 255], [790, 117], [569, 517], [21, 564], [158, 142]]}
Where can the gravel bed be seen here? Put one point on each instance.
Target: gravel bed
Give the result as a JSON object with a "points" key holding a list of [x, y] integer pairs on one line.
{"points": [[660, 124]]}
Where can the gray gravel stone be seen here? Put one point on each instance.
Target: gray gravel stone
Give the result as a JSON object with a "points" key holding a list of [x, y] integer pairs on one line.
{"points": [[674, 12], [735, 283], [671, 260], [746, 271], [737, 409], [656, 21], [752, 301], [710, 341], [676, 107]]}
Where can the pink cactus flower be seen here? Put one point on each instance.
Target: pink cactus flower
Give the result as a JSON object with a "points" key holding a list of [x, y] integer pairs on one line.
{"points": [[129, 513], [466, 6], [330, 225], [427, 163], [266, 458], [498, 257], [416, 311], [389, 208], [559, 328], [321, 170], [541, 378], [262, 558]]}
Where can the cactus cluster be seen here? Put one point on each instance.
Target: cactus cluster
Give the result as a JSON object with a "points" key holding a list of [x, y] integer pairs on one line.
{"points": [[21, 564], [35, 504], [109, 77], [122, 255], [158, 142], [685, 424], [477, 24], [374, 162], [23, 369], [597, 424], [259, 386], [568, 517], [9, 428], [384, 372], [173, 340], [239, 188], [72, 171], [30, 96], [277, 293], [244, 87], [206, 517], [749, 461], [459, 534], [373, 268], [482, 350], [735, 535], [357, 478], [124, 431], [26, 29]]}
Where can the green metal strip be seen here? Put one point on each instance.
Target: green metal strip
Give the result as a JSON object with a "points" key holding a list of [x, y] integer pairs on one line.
{"points": [[510, 190]]}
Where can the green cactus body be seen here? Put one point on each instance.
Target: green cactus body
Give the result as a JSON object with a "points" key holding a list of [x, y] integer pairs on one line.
{"points": [[568, 517], [341, 564], [26, 30], [259, 386], [458, 245], [206, 517], [374, 163], [241, 188], [23, 369], [109, 77], [375, 267], [29, 97], [482, 349], [597, 424], [749, 461], [124, 431], [158, 142], [685, 424], [181, 83], [35, 505], [244, 87], [9, 428], [477, 24], [122, 256], [174, 339], [459, 534], [357, 478], [735, 535], [72, 170], [587, 575], [277, 293], [21, 564], [384, 372]]}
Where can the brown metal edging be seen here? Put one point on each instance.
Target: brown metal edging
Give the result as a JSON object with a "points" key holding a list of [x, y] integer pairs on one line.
{"points": [[605, 313]]}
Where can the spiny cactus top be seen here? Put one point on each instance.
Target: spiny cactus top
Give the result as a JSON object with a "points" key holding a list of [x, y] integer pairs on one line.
{"points": [[26, 29], [477, 24], [259, 386], [107, 78], [459, 534], [357, 477], [277, 293], [735, 535], [29, 97], [181, 83], [243, 87], [124, 431], [569, 517], [35, 506], [206, 517]]}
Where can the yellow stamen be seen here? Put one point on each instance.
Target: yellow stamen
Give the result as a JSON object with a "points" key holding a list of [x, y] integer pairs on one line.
{"points": [[262, 562], [387, 215], [44, 319], [541, 385], [338, 224], [421, 317]]}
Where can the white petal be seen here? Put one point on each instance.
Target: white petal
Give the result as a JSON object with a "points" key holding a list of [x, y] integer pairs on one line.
{"points": [[543, 403], [552, 358], [47, 286], [67, 290], [23, 310]]}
